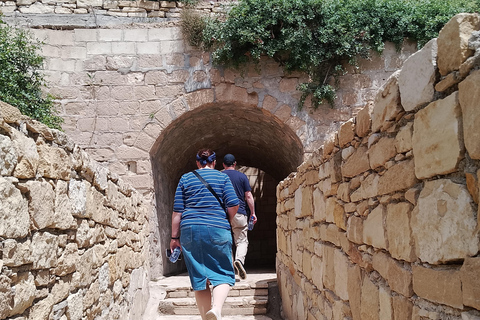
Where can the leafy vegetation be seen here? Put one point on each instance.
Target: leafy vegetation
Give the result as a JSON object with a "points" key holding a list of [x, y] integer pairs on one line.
{"points": [[21, 80], [320, 36]]}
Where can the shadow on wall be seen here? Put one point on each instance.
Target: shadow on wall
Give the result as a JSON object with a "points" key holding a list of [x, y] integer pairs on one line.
{"points": [[256, 137]]}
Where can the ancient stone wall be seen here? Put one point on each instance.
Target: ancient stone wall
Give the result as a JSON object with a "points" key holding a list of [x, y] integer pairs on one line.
{"points": [[73, 236], [381, 223], [113, 8]]}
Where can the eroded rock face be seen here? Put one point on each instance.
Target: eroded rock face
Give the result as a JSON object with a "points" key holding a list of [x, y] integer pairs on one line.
{"points": [[417, 78], [443, 223], [453, 39], [436, 144]]}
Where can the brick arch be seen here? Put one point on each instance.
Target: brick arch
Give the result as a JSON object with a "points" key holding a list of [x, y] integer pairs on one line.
{"points": [[256, 137]]}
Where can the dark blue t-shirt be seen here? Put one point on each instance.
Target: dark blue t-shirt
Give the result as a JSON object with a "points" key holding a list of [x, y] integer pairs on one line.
{"points": [[241, 185]]}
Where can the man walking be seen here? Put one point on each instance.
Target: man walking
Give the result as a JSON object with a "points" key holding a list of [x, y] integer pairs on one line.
{"points": [[240, 222]]}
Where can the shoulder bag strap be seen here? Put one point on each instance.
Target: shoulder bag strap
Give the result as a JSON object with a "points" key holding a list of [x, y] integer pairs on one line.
{"points": [[210, 189]]}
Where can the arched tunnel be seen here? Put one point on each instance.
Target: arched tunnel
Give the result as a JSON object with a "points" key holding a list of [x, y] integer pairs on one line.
{"points": [[266, 149]]}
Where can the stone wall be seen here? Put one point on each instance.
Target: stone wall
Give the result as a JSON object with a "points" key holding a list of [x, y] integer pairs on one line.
{"points": [[113, 8], [381, 223], [73, 236]]}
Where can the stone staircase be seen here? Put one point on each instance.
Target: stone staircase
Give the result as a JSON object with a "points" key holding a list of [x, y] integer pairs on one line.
{"points": [[173, 296]]}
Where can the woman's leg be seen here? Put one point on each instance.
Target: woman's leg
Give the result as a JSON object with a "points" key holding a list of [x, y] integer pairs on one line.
{"points": [[220, 294], [204, 301]]}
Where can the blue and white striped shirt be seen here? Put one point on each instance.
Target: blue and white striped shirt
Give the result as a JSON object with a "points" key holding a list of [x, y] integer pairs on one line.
{"points": [[198, 205]]}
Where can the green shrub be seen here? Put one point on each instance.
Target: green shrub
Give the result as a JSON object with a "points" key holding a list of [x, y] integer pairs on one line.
{"points": [[320, 36], [21, 80]]}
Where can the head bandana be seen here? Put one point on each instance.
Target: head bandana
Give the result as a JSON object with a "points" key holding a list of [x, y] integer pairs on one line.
{"points": [[210, 159]]}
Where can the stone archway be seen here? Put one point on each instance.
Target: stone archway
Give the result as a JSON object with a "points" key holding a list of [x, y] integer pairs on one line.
{"points": [[256, 137]]}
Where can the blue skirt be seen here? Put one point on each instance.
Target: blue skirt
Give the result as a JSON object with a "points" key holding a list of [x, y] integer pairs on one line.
{"points": [[207, 251]]}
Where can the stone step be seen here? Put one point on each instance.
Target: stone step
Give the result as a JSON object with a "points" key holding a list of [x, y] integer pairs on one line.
{"points": [[246, 305]]}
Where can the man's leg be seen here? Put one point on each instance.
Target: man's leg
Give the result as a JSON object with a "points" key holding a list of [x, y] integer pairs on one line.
{"points": [[240, 229]]}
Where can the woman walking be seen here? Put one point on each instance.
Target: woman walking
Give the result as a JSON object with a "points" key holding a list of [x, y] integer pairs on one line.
{"points": [[200, 226]]}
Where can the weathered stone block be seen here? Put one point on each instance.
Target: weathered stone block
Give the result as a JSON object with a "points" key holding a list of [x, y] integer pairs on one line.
{"points": [[346, 133], [8, 156], [373, 230], [400, 240], [469, 95], [44, 250], [304, 201], [399, 177], [363, 121], [387, 104], [436, 144], [470, 276], [357, 163], [438, 285], [381, 152], [403, 140], [370, 303], [417, 77], [453, 41], [319, 206], [368, 188], [443, 223], [355, 229]]}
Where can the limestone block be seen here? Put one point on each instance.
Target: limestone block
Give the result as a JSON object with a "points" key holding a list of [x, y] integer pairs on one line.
{"points": [[417, 77], [10, 114], [63, 218], [357, 163], [329, 267], [6, 296], [199, 98], [25, 290], [346, 133], [38, 8], [368, 188], [68, 260], [468, 96], [385, 303], [470, 276], [399, 235], [8, 156], [28, 156], [387, 104], [399, 177], [84, 235], [403, 140], [335, 168], [42, 203], [355, 229], [341, 274], [443, 223], [16, 254], [370, 303], [450, 80], [373, 230], [438, 285], [363, 121], [75, 306], [436, 144], [89, 3], [77, 192], [54, 162], [381, 152], [44, 250], [399, 279], [319, 206], [355, 290], [343, 192], [304, 201], [453, 41], [402, 308], [14, 217]]}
